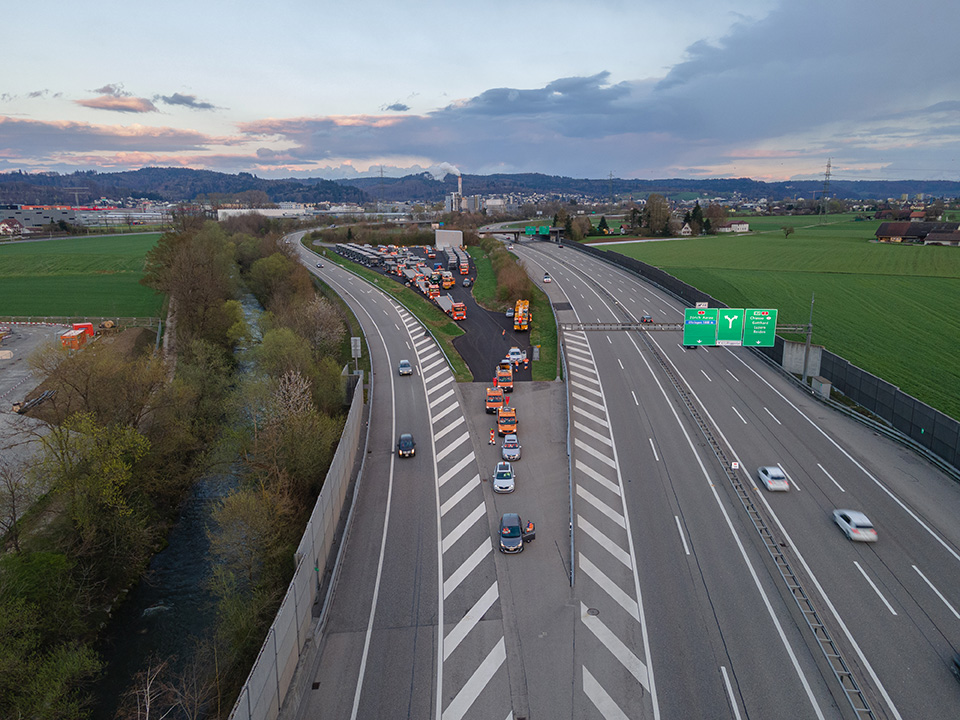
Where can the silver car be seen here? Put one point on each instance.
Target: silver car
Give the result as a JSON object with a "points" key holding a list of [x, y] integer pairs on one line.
{"points": [[511, 448], [773, 478], [855, 525], [405, 368], [504, 480]]}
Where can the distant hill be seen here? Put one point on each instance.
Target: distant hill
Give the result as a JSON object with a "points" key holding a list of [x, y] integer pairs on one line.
{"points": [[423, 188], [185, 185], [166, 184]]}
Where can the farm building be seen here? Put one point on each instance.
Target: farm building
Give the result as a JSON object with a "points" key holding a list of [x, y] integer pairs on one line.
{"points": [[914, 232], [734, 226]]}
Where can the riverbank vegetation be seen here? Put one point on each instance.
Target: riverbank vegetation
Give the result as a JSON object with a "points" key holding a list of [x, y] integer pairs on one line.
{"points": [[126, 433]]}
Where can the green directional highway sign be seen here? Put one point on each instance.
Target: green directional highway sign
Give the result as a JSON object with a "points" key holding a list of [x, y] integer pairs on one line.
{"points": [[759, 327], [700, 326], [730, 326]]}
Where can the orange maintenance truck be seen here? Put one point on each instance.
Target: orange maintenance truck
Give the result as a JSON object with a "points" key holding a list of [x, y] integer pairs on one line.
{"points": [[507, 420], [505, 379], [494, 399]]}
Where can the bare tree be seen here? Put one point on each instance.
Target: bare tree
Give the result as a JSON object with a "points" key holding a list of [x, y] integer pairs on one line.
{"points": [[787, 231], [17, 491], [148, 698]]}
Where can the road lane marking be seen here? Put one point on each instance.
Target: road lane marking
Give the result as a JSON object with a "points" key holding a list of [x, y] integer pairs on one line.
{"points": [[593, 418], [653, 447], [459, 495], [609, 587], [597, 477], [603, 541], [732, 698], [478, 681], [434, 403], [616, 647], [468, 522], [738, 414], [468, 566], [600, 699], [596, 453], [451, 446], [621, 364], [875, 588], [446, 411], [588, 401], [469, 621], [601, 506], [635, 401], [452, 426], [773, 416], [431, 366], [733, 376], [592, 433], [585, 388], [456, 468], [438, 373], [705, 375], [939, 594], [683, 537], [830, 476]]}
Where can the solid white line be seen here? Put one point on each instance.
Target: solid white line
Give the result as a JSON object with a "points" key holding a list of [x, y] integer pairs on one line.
{"points": [[468, 566], [600, 699], [773, 416], [683, 537], [830, 476], [461, 464], [616, 647], [596, 453], [730, 695], [468, 522], [601, 506], [939, 594], [437, 401], [652, 447], [597, 477], [738, 414], [605, 439], [470, 620], [447, 428], [446, 411], [454, 499], [609, 587], [588, 401], [875, 588], [451, 446], [590, 416], [603, 541], [478, 681]]}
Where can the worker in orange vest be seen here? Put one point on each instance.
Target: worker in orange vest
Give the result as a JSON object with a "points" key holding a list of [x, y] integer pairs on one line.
{"points": [[493, 440]]}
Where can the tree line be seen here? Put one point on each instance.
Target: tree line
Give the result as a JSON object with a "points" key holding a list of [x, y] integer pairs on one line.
{"points": [[118, 447]]}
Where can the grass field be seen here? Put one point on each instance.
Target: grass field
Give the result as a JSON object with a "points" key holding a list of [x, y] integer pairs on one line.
{"points": [[88, 277], [886, 308]]}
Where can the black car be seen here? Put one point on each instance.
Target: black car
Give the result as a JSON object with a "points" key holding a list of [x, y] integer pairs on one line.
{"points": [[406, 447], [513, 533], [319, 265], [646, 319]]}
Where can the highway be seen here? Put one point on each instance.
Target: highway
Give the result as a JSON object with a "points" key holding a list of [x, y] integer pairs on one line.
{"points": [[678, 609], [723, 627]]}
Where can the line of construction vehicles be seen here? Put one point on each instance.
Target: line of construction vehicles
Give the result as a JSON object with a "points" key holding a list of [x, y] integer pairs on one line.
{"points": [[497, 400], [429, 281]]}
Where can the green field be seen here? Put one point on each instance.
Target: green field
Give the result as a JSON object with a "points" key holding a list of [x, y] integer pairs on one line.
{"points": [[89, 277], [888, 309]]}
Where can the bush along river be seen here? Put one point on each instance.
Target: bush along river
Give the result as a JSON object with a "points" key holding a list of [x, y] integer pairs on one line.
{"points": [[171, 610]]}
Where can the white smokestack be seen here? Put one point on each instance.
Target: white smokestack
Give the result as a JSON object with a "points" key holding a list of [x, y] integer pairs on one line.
{"points": [[459, 184]]}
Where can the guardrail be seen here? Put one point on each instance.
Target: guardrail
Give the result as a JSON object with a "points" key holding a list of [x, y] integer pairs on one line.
{"points": [[148, 322]]}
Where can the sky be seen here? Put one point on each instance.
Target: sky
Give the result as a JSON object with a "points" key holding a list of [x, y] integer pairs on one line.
{"points": [[640, 89]]}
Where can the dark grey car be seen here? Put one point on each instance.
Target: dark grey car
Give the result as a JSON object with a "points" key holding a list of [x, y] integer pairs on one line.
{"points": [[513, 533], [406, 447], [511, 448]]}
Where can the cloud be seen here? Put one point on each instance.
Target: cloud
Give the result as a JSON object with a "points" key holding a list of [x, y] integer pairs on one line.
{"points": [[396, 107], [113, 97], [189, 101]]}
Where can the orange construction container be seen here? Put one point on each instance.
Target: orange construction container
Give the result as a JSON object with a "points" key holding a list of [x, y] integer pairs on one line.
{"points": [[86, 327], [74, 339]]}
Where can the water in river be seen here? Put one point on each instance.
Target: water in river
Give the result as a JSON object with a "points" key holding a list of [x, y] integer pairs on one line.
{"points": [[171, 608]]}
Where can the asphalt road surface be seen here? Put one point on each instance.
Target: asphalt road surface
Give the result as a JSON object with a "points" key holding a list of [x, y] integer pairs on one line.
{"points": [[678, 610]]}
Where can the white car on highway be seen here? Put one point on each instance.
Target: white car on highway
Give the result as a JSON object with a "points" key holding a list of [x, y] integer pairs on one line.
{"points": [[503, 478], [855, 525], [773, 478]]}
